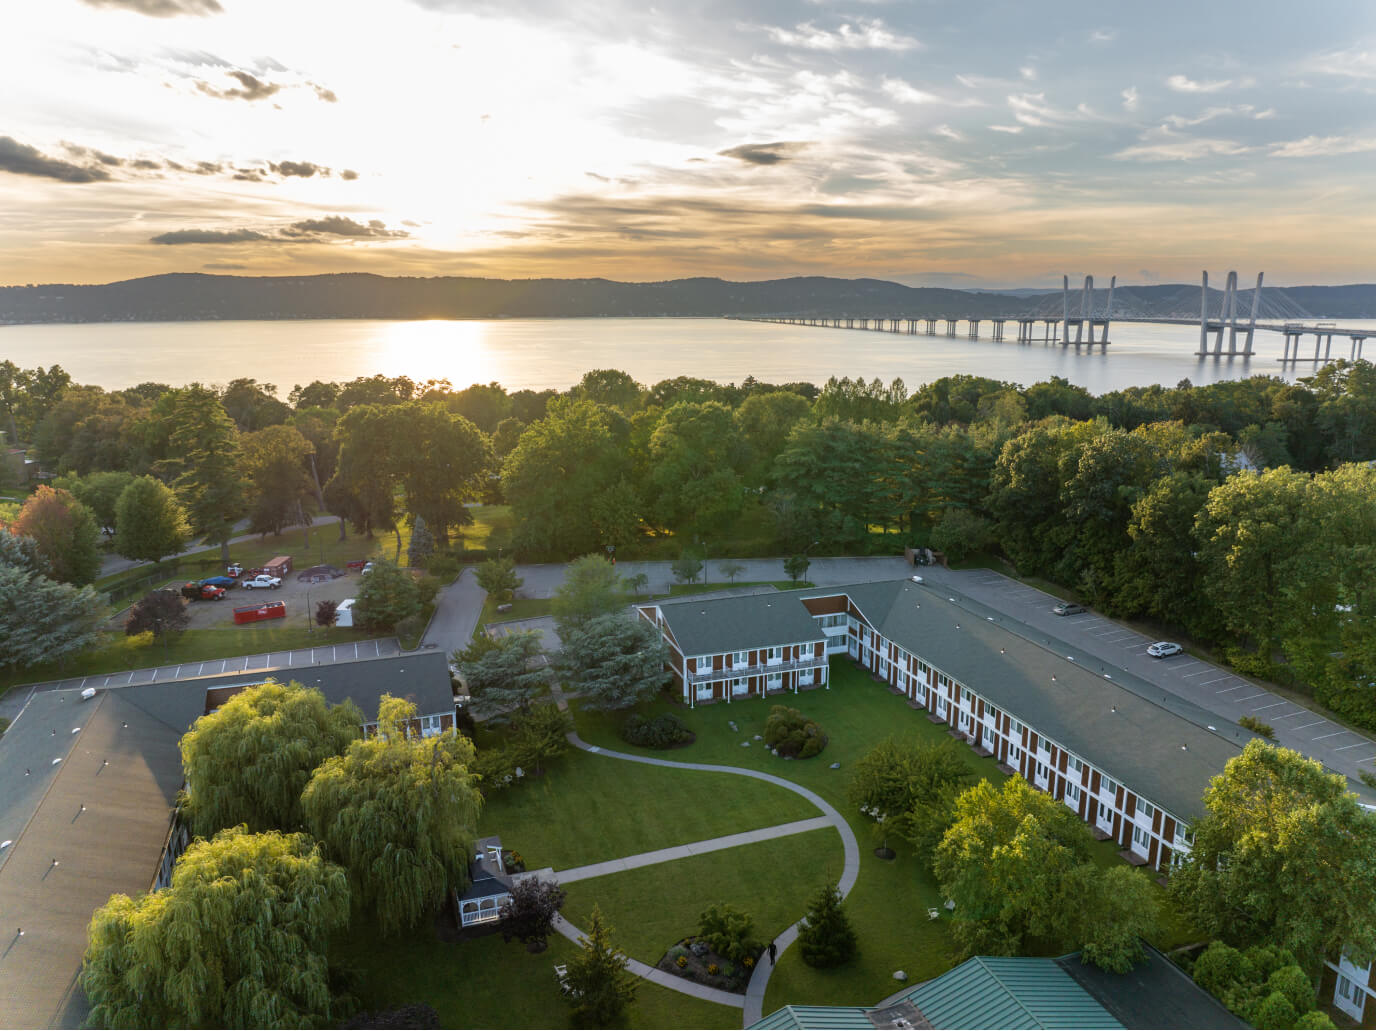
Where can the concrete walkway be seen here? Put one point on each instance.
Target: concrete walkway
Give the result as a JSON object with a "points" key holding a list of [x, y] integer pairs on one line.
{"points": [[753, 1003], [693, 848]]}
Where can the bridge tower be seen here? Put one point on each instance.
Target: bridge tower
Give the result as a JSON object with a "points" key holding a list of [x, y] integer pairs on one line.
{"points": [[1228, 318], [1086, 319]]}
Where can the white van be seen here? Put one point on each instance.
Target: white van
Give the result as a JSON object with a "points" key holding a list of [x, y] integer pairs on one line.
{"points": [[344, 612]]}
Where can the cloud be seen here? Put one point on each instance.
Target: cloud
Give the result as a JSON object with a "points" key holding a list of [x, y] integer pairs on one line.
{"points": [[905, 93], [224, 266], [90, 154], [327, 95], [183, 236], [1164, 144], [1032, 109], [253, 88], [21, 159], [1130, 98], [1181, 84], [299, 169], [161, 8], [1028, 72], [764, 153], [1012, 130], [862, 34], [339, 225], [948, 132], [1324, 146], [145, 164], [348, 175], [1103, 35]]}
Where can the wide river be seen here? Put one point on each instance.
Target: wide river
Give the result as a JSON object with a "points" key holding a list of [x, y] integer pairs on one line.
{"points": [[540, 353]]}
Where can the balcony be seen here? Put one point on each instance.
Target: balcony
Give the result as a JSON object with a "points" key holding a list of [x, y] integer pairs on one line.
{"points": [[758, 670]]}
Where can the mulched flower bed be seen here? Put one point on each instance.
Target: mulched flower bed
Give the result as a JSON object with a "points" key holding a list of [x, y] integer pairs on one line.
{"points": [[694, 961]]}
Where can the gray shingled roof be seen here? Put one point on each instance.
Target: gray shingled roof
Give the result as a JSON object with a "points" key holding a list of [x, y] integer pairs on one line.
{"points": [[703, 627]]}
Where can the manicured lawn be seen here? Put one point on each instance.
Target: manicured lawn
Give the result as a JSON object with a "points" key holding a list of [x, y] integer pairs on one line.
{"points": [[656, 906], [677, 590], [119, 652], [589, 808], [521, 608], [491, 983]]}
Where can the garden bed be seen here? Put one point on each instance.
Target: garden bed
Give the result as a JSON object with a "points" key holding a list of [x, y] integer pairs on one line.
{"points": [[693, 961]]}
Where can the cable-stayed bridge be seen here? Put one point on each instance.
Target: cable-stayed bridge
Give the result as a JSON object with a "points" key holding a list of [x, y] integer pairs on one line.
{"points": [[1224, 333]]}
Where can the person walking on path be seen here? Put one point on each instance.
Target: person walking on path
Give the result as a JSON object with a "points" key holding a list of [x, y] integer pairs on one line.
{"points": [[773, 953]]}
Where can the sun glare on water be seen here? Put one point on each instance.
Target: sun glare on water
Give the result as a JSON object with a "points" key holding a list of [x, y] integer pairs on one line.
{"points": [[438, 349]]}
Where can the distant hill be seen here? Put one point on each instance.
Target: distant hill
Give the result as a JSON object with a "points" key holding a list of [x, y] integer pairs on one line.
{"points": [[194, 296]]}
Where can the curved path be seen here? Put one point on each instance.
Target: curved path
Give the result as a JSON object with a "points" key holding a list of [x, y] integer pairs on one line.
{"points": [[759, 981]]}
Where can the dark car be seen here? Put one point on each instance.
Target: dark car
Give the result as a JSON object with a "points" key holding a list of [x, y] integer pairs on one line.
{"points": [[1068, 608], [220, 581]]}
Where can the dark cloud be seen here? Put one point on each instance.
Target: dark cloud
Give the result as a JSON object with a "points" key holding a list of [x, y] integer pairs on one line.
{"points": [[89, 154], [207, 168], [254, 88], [161, 8], [21, 159], [181, 236], [248, 175], [764, 153], [144, 164], [327, 95], [599, 178], [409, 222], [224, 266], [348, 175], [300, 169], [338, 225]]}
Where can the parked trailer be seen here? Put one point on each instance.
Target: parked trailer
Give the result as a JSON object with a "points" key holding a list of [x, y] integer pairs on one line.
{"points": [[258, 613], [279, 567]]}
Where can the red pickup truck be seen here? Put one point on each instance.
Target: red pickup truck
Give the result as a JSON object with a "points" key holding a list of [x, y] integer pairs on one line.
{"points": [[257, 613]]}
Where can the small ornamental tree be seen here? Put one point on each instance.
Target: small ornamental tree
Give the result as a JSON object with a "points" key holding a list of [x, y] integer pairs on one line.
{"points": [[731, 569], [591, 588], [597, 984], [529, 916], [151, 523], [163, 613], [387, 596], [826, 938], [497, 576], [239, 939], [638, 583], [325, 612], [686, 567], [728, 932], [540, 734], [248, 761], [795, 567]]}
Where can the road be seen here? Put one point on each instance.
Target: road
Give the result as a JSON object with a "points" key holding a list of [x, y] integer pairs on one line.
{"points": [[112, 564], [1210, 687]]}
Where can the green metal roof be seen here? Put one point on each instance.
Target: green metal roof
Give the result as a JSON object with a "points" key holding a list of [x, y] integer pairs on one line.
{"points": [[1009, 992], [797, 1018]]}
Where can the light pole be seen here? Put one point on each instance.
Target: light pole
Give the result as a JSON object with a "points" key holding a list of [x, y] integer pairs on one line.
{"points": [[309, 629]]}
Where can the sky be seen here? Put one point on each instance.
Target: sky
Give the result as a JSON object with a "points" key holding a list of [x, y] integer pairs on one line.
{"points": [[975, 144]]}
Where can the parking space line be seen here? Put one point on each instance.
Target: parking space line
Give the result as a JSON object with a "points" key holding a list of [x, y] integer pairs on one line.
{"points": [[1368, 759], [1260, 708], [1323, 736], [1201, 673], [1261, 694], [355, 649], [1235, 687], [1292, 715], [1306, 726], [1206, 683], [1359, 744], [334, 649], [377, 647]]}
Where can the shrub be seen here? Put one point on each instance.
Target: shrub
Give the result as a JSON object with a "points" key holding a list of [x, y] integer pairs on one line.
{"points": [[713, 969], [727, 930], [409, 629], [325, 612], [1257, 727], [793, 735], [681, 962], [495, 769], [444, 565], [664, 731], [428, 586], [1274, 1011]]}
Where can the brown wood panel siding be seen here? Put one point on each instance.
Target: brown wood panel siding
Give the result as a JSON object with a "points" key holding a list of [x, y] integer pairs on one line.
{"points": [[1168, 828], [825, 606], [1152, 848], [1156, 821], [1130, 805]]}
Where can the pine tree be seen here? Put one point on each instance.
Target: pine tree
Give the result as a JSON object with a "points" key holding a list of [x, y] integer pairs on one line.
{"points": [[826, 937], [42, 620], [597, 984], [422, 544], [208, 460]]}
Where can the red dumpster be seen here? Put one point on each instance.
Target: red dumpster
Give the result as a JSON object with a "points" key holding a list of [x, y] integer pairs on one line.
{"points": [[256, 613]]}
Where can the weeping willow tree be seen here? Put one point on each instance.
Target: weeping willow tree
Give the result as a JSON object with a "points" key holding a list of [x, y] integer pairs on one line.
{"points": [[249, 761], [237, 940], [399, 812]]}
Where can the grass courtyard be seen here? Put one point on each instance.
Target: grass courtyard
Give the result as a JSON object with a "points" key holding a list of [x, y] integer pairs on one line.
{"points": [[590, 808]]}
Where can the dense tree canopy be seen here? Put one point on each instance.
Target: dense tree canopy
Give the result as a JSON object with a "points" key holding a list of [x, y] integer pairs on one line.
{"points": [[249, 761], [237, 940], [206, 457], [400, 812], [65, 533], [613, 661], [501, 674], [1283, 855], [387, 596], [42, 620], [152, 523], [591, 588]]}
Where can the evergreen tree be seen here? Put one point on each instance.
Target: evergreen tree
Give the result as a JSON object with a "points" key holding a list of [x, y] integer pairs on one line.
{"points": [[44, 621], [248, 761], [387, 596], [238, 939], [499, 674], [21, 553], [422, 544], [613, 662], [204, 443], [826, 938], [400, 812], [152, 525], [597, 984]]}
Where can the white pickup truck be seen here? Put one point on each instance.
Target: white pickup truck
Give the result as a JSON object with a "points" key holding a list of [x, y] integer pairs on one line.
{"points": [[262, 580]]}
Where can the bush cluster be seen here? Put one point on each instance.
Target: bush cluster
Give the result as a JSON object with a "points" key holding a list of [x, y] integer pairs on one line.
{"points": [[664, 731], [1263, 985], [792, 735]]}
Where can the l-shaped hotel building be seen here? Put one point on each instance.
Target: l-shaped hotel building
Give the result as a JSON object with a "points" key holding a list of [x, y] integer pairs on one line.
{"points": [[1133, 769]]}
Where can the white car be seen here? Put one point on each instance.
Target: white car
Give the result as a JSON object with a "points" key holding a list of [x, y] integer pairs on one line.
{"points": [[1163, 648], [262, 580]]}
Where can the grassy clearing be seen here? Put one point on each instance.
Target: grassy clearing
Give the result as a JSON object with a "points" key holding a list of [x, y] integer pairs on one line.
{"points": [[589, 808], [521, 608], [491, 983], [492, 528], [770, 880]]}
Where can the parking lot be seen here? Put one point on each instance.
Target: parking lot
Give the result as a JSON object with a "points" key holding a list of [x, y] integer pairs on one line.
{"points": [[1206, 685], [300, 597]]}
